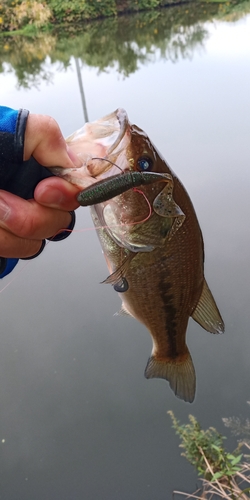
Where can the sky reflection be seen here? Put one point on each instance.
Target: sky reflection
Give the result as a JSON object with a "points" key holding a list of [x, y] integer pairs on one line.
{"points": [[78, 418]]}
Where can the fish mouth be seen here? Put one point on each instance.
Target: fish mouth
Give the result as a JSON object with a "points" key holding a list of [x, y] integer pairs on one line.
{"points": [[121, 116], [113, 135], [101, 145]]}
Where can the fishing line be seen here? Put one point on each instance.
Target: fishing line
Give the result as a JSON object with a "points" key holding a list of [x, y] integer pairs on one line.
{"points": [[15, 277], [149, 206], [137, 222], [109, 161]]}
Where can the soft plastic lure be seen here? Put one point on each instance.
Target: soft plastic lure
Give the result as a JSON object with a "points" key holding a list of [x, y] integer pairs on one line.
{"points": [[117, 184]]}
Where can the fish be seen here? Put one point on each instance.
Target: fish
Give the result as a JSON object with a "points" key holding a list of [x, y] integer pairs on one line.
{"points": [[151, 239]]}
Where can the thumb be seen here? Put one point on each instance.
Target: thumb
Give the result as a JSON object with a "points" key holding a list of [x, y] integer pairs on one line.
{"points": [[44, 140]]}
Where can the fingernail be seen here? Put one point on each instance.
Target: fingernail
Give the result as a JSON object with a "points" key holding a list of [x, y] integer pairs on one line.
{"points": [[4, 210]]}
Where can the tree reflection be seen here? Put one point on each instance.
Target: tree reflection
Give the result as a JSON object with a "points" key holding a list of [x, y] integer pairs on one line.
{"points": [[121, 44], [26, 57]]}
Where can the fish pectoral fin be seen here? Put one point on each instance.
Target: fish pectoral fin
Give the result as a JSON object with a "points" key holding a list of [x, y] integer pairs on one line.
{"points": [[178, 221], [207, 313], [180, 375], [165, 205], [118, 276]]}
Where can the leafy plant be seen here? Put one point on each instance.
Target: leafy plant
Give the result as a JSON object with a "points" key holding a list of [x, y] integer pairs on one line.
{"points": [[31, 12], [76, 10], [15, 15], [225, 475]]}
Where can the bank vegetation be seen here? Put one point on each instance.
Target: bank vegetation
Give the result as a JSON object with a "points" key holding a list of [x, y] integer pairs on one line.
{"points": [[223, 474], [28, 15]]}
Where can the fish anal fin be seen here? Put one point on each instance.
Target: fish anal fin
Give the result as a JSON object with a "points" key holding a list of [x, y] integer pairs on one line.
{"points": [[180, 375], [123, 312], [207, 313]]}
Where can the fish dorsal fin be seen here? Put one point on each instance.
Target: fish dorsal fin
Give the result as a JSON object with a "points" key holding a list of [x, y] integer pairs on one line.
{"points": [[180, 375], [118, 275], [207, 313]]}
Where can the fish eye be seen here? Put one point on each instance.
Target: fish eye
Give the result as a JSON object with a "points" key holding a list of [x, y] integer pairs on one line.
{"points": [[145, 164], [122, 286]]}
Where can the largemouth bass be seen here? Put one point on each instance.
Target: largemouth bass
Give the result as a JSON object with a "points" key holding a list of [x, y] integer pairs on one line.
{"points": [[151, 240]]}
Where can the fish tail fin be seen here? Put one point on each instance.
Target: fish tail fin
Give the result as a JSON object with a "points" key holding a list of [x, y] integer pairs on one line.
{"points": [[180, 374]]}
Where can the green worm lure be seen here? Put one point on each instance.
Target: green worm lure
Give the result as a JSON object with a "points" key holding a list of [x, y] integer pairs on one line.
{"points": [[117, 184]]}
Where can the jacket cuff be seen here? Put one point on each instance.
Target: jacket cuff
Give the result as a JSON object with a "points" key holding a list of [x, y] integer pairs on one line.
{"points": [[6, 266], [19, 134]]}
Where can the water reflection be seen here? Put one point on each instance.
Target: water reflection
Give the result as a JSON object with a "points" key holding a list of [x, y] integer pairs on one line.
{"points": [[123, 43], [77, 417]]}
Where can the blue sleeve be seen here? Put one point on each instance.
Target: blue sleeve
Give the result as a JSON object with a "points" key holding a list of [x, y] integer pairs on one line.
{"points": [[12, 130], [6, 266], [8, 119]]}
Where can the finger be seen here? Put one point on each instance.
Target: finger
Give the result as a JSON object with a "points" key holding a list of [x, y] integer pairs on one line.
{"points": [[57, 193], [28, 219], [12, 246], [44, 140]]}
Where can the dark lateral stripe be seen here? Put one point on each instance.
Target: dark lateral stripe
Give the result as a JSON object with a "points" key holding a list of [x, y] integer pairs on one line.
{"points": [[166, 294]]}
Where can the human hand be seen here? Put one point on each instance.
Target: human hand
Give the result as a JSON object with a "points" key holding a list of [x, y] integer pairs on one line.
{"points": [[24, 224]]}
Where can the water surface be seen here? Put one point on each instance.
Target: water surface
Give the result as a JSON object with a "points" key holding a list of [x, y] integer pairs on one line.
{"points": [[78, 420]]}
